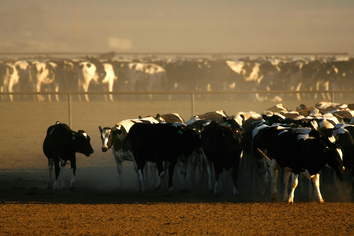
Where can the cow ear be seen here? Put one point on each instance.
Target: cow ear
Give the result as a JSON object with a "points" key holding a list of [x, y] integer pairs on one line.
{"points": [[100, 128]]}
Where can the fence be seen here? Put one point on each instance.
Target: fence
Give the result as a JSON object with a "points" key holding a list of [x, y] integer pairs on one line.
{"points": [[191, 93]]}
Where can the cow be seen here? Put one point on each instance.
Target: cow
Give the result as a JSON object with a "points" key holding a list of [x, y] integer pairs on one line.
{"points": [[301, 151], [61, 145], [221, 145], [344, 134], [115, 138], [25, 76], [144, 76], [9, 77], [95, 72], [43, 74], [161, 143]]}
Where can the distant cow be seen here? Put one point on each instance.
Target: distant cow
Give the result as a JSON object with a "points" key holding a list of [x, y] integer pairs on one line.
{"points": [[93, 71], [144, 76], [60, 146], [43, 75], [161, 143], [9, 77]]}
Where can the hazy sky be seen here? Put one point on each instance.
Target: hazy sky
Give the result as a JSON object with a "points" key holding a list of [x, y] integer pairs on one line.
{"points": [[177, 26]]}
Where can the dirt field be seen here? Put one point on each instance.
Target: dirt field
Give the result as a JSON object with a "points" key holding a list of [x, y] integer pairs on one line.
{"points": [[97, 207]]}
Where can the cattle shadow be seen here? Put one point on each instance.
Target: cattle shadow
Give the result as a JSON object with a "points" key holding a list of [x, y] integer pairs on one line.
{"points": [[98, 185]]}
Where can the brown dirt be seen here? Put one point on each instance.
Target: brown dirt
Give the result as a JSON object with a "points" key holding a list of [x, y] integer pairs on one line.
{"points": [[97, 207]]}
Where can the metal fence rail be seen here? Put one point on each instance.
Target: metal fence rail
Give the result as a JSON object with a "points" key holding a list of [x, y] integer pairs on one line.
{"points": [[190, 93]]}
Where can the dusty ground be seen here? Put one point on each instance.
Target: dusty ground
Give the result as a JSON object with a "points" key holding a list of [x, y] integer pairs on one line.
{"points": [[97, 207]]}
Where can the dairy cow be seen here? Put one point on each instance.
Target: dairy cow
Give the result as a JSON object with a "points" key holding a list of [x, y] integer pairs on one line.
{"points": [[96, 73], [161, 143], [115, 138], [61, 145], [9, 78], [221, 146], [304, 151]]}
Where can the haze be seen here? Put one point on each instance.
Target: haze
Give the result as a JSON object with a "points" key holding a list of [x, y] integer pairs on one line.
{"points": [[193, 26]]}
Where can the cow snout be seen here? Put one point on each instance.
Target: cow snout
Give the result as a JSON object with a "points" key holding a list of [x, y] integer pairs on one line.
{"points": [[104, 149]]}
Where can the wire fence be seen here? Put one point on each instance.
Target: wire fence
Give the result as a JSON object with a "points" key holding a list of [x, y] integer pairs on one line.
{"points": [[191, 94]]}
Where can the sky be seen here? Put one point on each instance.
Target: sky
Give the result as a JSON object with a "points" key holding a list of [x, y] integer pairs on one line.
{"points": [[184, 26]]}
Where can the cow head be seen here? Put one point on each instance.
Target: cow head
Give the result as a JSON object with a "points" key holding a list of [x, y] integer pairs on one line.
{"points": [[83, 142], [105, 134]]}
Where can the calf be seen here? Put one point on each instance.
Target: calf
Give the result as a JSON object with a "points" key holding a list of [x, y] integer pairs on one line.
{"points": [[60, 146], [221, 145], [158, 143]]}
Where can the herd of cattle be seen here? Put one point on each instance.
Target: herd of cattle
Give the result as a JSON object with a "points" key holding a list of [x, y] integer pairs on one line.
{"points": [[306, 140], [181, 74]]}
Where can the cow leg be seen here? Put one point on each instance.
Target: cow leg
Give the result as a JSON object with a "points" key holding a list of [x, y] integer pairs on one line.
{"points": [[298, 95], [50, 168], [161, 172], [38, 89], [267, 177], [138, 183], [152, 173], [140, 167], [294, 183], [57, 172], [119, 169], [316, 183], [234, 175], [218, 183], [286, 177], [209, 165], [57, 95], [73, 171], [171, 169], [274, 173], [183, 170], [62, 167]]}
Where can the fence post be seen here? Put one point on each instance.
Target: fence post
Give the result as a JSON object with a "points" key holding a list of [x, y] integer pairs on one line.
{"points": [[192, 104], [69, 109]]}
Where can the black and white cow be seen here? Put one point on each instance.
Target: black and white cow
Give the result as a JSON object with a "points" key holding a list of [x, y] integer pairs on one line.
{"points": [[9, 77], [170, 118], [221, 146], [43, 76], [344, 134], [144, 76], [95, 72], [302, 151], [161, 143], [115, 138], [25, 76], [61, 145]]}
